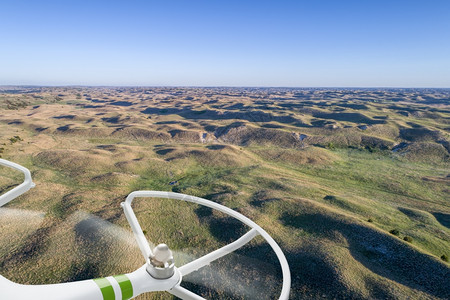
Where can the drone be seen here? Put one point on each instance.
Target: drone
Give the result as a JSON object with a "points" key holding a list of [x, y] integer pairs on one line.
{"points": [[159, 272]]}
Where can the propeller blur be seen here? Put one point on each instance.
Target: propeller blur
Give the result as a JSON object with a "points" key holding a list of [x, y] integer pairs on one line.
{"points": [[158, 273]]}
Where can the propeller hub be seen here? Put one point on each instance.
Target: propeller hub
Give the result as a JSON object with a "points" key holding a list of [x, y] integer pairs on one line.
{"points": [[161, 265]]}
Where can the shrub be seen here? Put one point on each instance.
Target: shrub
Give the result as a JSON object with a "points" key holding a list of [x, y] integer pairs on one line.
{"points": [[395, 232], [372, 149], [15, 139], [370, 220], [444, 257], [330, 198], [408, 239]]}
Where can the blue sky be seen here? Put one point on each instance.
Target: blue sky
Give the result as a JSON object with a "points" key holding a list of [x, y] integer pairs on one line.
{"points": [[226, 43]]}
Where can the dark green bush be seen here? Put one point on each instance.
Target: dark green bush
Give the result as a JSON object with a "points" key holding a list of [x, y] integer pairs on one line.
{"points": [[444, 257], [15, 139], [330, 198], [370, 220], [395, 232], [12, 140], [408, 239], [372, 149]]}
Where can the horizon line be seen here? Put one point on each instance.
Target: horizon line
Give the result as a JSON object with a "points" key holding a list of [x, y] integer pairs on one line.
{"points": [[219, 86]]}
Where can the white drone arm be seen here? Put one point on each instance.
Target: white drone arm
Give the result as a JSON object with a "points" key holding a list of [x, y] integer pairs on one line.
{"points": [[210, 257], [20, 189], [109, 288], [137, 230], [86, 289]]}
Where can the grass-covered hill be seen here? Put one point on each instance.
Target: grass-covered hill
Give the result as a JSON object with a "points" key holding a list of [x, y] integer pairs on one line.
{"points": [[352, 184]]}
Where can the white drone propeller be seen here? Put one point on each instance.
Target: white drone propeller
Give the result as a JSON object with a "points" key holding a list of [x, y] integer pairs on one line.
{"points": [[157, 274]]}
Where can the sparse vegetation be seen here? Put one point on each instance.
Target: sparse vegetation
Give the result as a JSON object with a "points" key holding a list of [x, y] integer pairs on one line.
{"points": [[372, 149], [15, 139], [331, 146]]}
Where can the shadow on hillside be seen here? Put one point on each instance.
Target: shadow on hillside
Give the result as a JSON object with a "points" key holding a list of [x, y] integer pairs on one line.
{"points": [[237, 276], [63, 128], [419, 134], [164, 151], [251, 116], [94, 241], [113, 120], [442, 218], [121, 103], [348, 117], [87, 270], [261, 198], [67, 117], [216, 147], [311, 275], [225, 229], [382, 254], [272, 126], [35, 245]]}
